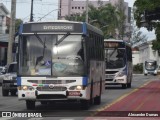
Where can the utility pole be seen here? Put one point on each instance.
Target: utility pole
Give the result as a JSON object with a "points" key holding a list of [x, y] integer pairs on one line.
{"points": [[87, 11], [11, 32], [31, 16]]}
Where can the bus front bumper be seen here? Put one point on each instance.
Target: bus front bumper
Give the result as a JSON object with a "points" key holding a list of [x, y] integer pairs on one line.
{"points": [[150, 72], [116, 80], [48, 95]]}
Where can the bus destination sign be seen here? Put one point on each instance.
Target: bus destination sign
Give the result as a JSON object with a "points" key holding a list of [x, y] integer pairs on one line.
{"points": [[51, 27]]}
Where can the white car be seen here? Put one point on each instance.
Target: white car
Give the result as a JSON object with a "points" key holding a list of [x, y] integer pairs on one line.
{"points": [[2, 72], [9, 83]]}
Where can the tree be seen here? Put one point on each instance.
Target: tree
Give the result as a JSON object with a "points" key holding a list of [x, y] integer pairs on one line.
{"points": [[108, 20], [141, 6], [104, 17], [137, 36], [17, 24], [121, 19]]}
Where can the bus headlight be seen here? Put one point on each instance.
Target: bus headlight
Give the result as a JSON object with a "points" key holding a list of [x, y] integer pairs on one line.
{"points": [[7, 77], [78, 87], [121, 74], [25, 88]]}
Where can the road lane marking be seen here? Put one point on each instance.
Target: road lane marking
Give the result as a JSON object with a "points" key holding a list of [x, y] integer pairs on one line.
{"points": [[120, 98]]}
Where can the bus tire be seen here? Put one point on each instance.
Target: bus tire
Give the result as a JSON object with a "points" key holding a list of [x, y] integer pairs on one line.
{"points": [[13, 93], [97, 100], [124, 86], [30, 105], [5, 92], [91, 94], [145, 74], [129, 85], [85, 104]]}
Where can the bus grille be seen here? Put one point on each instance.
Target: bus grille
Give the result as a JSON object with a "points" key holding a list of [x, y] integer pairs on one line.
{"points": [[111, 72], [51, 81], [109, 79], [51, 96], [56, 88]]}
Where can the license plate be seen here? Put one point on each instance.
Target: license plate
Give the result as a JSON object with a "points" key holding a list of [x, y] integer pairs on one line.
{"points": [[74, 93]]}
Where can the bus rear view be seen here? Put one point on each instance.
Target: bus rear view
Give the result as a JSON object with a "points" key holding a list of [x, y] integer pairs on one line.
{"points": [[118, 58]]}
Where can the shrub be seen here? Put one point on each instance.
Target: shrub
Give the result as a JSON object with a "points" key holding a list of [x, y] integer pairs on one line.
{"points": [[138, 68]]}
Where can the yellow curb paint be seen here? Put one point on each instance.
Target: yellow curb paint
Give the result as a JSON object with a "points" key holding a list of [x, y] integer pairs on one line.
{"points": [[120, 98]]}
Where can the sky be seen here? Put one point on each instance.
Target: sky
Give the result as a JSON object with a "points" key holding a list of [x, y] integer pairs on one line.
{"points": [[50, 7], [41, 8]]}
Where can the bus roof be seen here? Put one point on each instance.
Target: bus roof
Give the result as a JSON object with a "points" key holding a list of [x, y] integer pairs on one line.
{"points": [[115, 40], [59, 21], [149, 60], [58, 26]]}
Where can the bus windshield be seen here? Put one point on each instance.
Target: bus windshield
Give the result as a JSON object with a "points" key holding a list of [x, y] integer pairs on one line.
{"points": [[151, 65], [40, 55], [115, 58]]}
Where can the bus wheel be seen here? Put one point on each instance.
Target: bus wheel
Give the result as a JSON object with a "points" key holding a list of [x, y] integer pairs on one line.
{"points": [[129, 85], [91, 94], [13, 93], [5, 92], [85, 104], [97, 100], [145, 74], [30, 104], [124, 86]]}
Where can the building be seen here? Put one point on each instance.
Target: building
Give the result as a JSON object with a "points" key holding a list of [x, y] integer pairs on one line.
{"points": [[135, 56], [71, 7], [4, 22], [146, 52]]}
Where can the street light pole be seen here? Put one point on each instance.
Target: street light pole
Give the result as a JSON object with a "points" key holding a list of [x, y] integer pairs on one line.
{"points": [[11, 32], [86, 11], [31, 16], [47, 14]]}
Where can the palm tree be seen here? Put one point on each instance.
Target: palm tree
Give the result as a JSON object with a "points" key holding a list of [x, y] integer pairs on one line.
{"points": [[109, 19]]}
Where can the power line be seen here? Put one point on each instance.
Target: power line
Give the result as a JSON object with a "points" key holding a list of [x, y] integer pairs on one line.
{"points": [[47, 14]]}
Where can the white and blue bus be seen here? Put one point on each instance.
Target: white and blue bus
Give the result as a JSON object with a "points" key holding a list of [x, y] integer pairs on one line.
{"points": [[118, 57], [60, 61], [150, 67]]}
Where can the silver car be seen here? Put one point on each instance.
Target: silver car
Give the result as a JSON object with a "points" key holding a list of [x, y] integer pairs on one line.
{"points": [[2, 72]]}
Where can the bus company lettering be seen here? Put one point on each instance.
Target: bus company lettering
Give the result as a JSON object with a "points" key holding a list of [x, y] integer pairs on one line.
{"points": [[58, 27]]}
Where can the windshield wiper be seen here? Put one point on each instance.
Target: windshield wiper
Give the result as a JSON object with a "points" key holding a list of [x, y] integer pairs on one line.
{"points": [[112, 52], [40, 40], [62, 38], [40, 58]]}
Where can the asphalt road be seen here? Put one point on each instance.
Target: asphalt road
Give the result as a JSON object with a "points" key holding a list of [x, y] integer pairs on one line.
{"points": [[71, 111]]}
